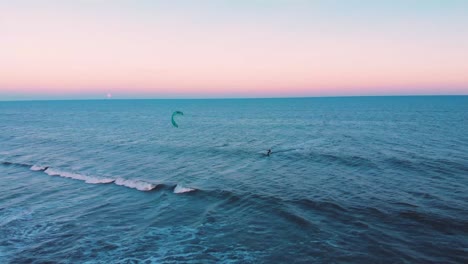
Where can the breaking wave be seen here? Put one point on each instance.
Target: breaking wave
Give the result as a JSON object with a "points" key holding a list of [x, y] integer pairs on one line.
{"points": [[136, 184], [181, 189], [37, 168], [129, 183], [76, 176]]}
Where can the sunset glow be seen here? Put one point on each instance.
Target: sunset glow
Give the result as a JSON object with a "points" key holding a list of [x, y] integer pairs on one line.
{"points": [[261, 48]]}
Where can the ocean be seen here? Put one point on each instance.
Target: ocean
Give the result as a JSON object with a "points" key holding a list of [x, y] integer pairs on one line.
{"points": [[349, 180]]}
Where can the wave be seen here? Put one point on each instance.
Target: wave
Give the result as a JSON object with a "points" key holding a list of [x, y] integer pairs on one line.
{"points": [[129, 183], [135, 184], [181, 189], [76, 176], [38, 168]]}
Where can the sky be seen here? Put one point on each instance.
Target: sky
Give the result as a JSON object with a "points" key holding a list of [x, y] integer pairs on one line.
{"points": [[82, 49]]}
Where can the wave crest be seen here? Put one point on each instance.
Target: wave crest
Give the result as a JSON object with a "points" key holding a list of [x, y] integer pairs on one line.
{"points": [[76, 176], [135, 184], [37, 168], [181, 189]]}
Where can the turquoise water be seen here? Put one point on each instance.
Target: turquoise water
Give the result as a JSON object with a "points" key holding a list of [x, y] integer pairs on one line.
{"points": [[361, 180]]}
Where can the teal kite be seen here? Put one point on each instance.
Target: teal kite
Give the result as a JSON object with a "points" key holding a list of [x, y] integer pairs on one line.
{"points": [[176, 113]]}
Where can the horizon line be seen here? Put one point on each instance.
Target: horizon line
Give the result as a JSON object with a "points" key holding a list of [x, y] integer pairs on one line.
{"points": [[233, 98]]}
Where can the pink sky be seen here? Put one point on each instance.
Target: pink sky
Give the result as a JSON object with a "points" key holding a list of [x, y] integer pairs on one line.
{"points": [[227, 48]]}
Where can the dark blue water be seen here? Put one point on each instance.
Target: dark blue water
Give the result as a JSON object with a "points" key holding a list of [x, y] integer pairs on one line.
{"points": [[354, 180]]}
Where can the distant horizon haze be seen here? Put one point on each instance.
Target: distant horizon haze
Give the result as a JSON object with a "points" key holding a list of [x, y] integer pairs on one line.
{"points": [[127, 97]]}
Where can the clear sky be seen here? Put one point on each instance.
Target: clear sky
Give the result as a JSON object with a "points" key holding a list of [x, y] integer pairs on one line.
{"points": [[237, 48]]}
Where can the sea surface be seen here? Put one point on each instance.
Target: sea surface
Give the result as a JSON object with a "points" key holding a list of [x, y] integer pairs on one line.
{"points": [[349, 180]]}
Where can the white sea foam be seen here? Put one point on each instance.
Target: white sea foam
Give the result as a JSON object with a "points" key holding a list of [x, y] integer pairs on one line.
{"points": [[181, 189], [37, 168], [135, 184], [76, 176], [93, 180]]}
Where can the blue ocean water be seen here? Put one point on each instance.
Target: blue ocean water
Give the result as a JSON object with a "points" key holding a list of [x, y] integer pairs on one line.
{"points": [[354, 180]]}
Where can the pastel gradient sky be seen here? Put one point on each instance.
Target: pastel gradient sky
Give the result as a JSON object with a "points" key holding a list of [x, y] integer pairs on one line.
{"points": [[66, 49]]}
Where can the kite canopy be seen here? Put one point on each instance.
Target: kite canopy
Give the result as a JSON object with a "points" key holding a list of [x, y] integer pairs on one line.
{"points": [[176, 113]]}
